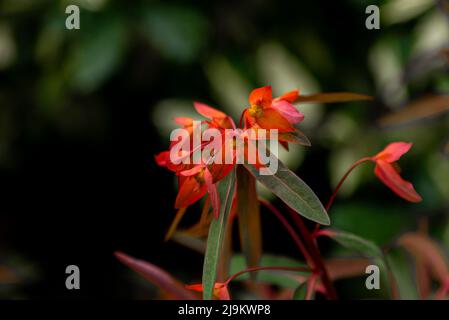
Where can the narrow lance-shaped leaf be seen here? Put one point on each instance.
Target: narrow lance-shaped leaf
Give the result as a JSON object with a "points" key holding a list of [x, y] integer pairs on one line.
{"points": [[332, 97], [366, 248], [356, 243], [402, 270], [420, 109], [175, 223], [226, 252], [342, 268], [217, 230], [157, 276], [249, 218], [428, 251], [292, 190], [296, 136]]}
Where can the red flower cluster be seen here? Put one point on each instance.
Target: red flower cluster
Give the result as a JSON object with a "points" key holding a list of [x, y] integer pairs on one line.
{"points": [[195, 180]]}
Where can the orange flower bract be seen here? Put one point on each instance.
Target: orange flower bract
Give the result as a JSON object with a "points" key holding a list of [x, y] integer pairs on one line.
{"points": [[386, 170]]}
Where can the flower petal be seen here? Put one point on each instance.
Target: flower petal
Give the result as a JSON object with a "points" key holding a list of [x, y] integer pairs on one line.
{"points": [[183, 121], [288, 111], [222, 293], [220, 290], [190, 191], [219, 171], [192, 172], [248, 120], [208, 112], [162, 158], [393, 151], [272, 119], [289, 96], [391, 178], [198, 287], [261, 97]]}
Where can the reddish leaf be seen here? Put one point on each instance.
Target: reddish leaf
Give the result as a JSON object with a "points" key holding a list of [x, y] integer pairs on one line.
{"points": [[332, 97], [249, 218], [340, 268], [175, 223], [157, 276], [417, 110], [428, 252]]}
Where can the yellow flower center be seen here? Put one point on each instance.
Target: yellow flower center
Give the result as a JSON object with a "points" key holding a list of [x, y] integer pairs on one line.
{"points": [[256, 111], [199, 177]]}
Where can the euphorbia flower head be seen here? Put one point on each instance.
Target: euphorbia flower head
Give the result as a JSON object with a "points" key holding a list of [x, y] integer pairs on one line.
{"points": [[387, 170], [195, 179], [268, 113], [199, 175], [220, 290]]}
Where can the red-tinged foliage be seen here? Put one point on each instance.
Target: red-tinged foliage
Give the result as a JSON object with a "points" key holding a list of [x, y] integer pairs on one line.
{"points": [[198, 179], [157, 276]]}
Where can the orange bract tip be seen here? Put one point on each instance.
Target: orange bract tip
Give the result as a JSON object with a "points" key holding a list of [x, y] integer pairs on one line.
{"points": [[393, 152], [220, 290], [190, 191], [162, 158], [290, 96], [391, 178], [183, 121], [208, 112], [261, 96]]}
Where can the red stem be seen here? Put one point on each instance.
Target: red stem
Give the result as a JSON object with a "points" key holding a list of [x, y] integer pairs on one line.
{"points": [[316, 255], [310, 286], [235, 275], [290, 230], [331, 200]]}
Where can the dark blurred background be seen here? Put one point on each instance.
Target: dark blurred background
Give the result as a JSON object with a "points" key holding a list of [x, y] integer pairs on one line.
{"points": [[82, 113]]}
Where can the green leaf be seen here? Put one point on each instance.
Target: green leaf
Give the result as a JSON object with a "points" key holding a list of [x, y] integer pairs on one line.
{"points": [[366, 248], [356, 243], [217, 231], [249, 218], [292, 190], [403, 274], [300, 292], [296, 136]]}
